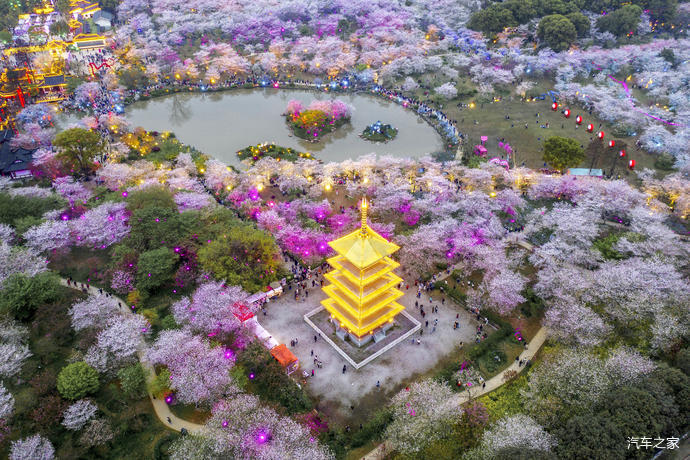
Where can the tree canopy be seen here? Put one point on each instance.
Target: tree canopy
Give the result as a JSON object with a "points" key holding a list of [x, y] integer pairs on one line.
{"points": [[622, 21], [244, 256], [556, 31], [78, 148], [77, 380], [562, 152]]}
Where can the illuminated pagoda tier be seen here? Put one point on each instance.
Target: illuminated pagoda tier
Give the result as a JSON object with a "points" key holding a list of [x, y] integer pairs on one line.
{"points": [[363, 290]]}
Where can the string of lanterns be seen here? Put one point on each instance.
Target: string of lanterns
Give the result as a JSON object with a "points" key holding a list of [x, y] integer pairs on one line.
{"points": [[590, 129]]}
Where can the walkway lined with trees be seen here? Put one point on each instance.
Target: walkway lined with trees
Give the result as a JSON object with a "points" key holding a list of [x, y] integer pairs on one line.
{"points": [[163, 412]]}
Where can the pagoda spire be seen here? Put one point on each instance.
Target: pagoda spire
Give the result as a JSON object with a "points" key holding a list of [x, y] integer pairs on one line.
{"points": [[365, 206]]}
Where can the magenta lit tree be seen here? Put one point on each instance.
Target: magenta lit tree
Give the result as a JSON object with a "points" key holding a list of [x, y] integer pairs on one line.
{"points": [[199, 374], [210, 310], [242, 428]]}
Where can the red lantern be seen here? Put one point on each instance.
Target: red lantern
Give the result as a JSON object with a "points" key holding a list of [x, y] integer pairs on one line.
{"points": [[590, 128], [622, 153], [600, 134], [612, 143], [566, 113], [554, 106], [631, 164], [578, 120]]}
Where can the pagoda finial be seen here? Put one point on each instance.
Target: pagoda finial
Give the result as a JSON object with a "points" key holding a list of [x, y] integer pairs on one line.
{"points": [[364, 213]]}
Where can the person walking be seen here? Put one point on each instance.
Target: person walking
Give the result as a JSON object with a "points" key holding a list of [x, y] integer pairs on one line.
{"points": [[344, 368], [378, 384]]}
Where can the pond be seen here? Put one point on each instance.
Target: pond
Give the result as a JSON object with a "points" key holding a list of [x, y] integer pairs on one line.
{"points": [[221, 123]]}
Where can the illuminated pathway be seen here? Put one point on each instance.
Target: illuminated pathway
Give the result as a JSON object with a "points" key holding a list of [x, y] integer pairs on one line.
{"points": [[159, 406]]}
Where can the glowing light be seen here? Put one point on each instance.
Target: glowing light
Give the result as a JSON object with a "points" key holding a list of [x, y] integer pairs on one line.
{"points": [[260, 187], [600, 134]]}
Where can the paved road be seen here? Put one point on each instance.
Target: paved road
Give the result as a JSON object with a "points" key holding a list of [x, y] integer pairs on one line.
{"points": [[160, 407]]}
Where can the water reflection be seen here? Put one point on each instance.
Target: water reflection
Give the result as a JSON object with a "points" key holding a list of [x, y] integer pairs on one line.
{"points": [[222, 123]]}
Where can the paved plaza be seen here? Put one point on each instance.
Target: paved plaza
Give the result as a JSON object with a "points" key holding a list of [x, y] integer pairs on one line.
{"points": [[284, 320]]}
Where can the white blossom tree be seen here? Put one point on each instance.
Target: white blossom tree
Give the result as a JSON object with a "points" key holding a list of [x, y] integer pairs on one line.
{"points": [[35, 447], [75, 416]]}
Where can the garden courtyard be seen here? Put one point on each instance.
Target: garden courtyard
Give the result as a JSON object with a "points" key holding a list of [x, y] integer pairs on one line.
{"points": [[338, 391]]}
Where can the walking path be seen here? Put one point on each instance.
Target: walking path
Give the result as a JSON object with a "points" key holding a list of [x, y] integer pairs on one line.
{"points": [[162, 410], [385, 448]]}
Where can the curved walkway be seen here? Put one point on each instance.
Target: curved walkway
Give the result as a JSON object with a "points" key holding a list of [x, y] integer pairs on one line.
{"points": [[162, 410], [385, 448]]}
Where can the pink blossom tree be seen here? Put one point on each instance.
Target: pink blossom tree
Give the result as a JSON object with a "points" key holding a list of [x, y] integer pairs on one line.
{"points": [[198, 374], [102, 226], [118, 343], [211, 308], [49, 236], [242, 428], [92, 312]]}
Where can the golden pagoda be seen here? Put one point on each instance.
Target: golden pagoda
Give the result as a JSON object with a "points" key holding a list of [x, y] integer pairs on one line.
{"points": [[362, 292]]}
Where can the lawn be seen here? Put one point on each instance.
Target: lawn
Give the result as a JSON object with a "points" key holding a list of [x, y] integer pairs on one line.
{"points": [[488, 118]]}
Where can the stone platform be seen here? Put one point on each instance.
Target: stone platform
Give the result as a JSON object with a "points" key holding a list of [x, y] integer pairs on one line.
{"points": [[360, 352]]}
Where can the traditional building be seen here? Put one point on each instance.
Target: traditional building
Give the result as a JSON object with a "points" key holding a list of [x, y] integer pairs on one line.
{"points": [[15, 162], [363, 291]]}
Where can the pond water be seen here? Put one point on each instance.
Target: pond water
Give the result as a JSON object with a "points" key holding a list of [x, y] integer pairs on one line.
{"points": [[221, 123]]}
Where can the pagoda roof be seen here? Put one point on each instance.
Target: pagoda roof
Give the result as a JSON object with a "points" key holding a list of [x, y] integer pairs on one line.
{"points": [[363, 247]]}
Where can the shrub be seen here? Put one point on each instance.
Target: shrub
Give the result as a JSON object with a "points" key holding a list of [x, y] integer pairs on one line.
{"points": [[77, 380]]}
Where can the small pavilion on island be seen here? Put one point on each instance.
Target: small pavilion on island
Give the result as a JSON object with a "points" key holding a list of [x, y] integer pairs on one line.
{"points": [[363, 290]]}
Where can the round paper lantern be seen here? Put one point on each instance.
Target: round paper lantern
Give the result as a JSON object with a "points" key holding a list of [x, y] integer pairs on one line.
{"points": [[554, 106], [631, 164], [600, 134], [566, 113], [622, 153], [590, 128], [612, 143], [578, 120]]}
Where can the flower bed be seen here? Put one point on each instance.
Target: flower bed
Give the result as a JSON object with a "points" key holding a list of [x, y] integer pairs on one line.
{"points": [[379, 132], [316, 120], [254, 153]]}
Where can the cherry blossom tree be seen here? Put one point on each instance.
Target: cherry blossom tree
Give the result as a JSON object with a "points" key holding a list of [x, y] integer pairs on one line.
{"points": [[198, 373], [519, 431], [35, 447], [75, 416], [74, 192], [192, 201], [102, 226], [13, 348], [49, 236], [242, 428], [6, 234], [118, 343], [93, 312], [19, 260], [211, 308], [421, 413], [446, 90], [6, 403]]}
